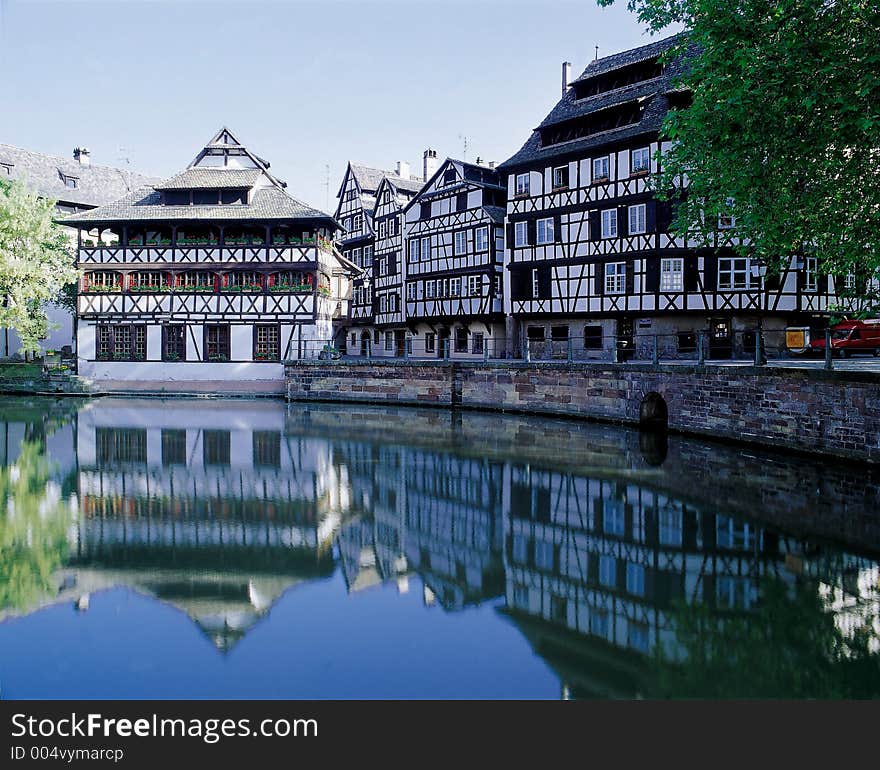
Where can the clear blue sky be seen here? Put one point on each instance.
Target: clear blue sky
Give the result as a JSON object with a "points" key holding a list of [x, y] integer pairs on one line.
{"points": [[303, 84]]}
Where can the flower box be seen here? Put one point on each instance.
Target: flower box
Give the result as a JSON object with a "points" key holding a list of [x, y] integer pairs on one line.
{"points": [[250, 287], [98, 289]]}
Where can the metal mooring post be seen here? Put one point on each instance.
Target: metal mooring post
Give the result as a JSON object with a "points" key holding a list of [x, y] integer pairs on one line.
{"points": [[829, 364], [655, 353], [701, 352]]}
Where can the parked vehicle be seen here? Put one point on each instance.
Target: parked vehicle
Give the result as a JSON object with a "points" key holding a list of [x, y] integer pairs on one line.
{"points": [[850, 337]]}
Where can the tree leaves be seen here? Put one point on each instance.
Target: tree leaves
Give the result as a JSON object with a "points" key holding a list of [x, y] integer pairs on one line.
{"points": [[36, 262]]}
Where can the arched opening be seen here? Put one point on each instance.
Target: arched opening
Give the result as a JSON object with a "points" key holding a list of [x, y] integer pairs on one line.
{"points": [[653, 412]]}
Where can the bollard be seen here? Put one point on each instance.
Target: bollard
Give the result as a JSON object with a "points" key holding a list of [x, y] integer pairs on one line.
{"points": [[655, 353], [701, 352], [570, 350], [828, 362]]}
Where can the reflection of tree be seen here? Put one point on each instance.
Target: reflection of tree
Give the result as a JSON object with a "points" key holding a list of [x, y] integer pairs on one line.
{"points": [[789, 647], [33, 541]]}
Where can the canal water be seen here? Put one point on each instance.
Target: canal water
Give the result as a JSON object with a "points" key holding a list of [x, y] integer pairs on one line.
{"points": [[251, 549]]}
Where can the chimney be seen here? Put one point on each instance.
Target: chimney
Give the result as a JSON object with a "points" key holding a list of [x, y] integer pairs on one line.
{"points": [[403, 169], [493, 164], [82, 154], [430, 166], [480, 161], [566, 76]]}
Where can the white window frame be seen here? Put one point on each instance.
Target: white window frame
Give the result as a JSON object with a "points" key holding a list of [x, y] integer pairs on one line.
{"points": [[368, 256], [641, 152], [474, 285], [383, 265], [561, 185], [411, 291], [729, 268], [523, 185], [727, 221], [520, 234], [672, 274], [426, 248], [811, 274], [615, 278], [356, 257], [545, 231], [638, 219], [536, 285], [382, 229], [430, 289], [414, 250], [481, 239], [460, 240], [598, 165], [455, 287], [609, 223]]}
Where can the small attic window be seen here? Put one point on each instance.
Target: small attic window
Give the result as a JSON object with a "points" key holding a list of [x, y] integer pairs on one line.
{"points": [[70, 181], [449, 176]]}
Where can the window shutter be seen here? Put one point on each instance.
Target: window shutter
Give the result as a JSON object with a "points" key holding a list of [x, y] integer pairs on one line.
{"points": [[691, 277], [532, 230], [651, 216], [630, 277], [652, 274], [599, 278], [392, 263], [622, 221], [595, 231], [544, 282], [461, 201], [517, 284], [510, 240], [557, 229], [710, 272]]}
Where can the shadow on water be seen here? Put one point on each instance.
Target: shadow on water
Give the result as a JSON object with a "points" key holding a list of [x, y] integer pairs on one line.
{"points": [[633, 563]]}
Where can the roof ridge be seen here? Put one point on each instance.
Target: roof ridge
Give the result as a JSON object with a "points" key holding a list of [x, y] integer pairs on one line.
{"points": [[72, 161]]}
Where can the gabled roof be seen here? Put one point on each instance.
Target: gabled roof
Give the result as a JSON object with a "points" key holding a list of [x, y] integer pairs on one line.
{"points": [[651, 96], [397, 185], [369, 179], [267, 202], [468, 173], [212, 178], [45, 175]]}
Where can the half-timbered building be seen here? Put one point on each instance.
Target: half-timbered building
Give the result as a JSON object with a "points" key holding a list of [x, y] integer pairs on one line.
{"points": [[590, 254], [216, 273], [454, 244], [359, 200]]}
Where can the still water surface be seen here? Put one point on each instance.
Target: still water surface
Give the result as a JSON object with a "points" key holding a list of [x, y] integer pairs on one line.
{"points": [[241, 549]]}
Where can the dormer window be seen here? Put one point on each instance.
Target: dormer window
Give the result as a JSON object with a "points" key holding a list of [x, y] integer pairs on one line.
{"points": [[449, 177], [70, 181]]}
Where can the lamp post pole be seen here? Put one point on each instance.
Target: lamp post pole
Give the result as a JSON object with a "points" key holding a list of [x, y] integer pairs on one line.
{"points": [[759, 271]]}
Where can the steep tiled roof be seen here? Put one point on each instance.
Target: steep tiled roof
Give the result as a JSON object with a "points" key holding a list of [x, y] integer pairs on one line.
{"points": [[496, 213], [145, 205], [368, 178], [407, 185], [45, 174], [650, 95], [211, 178]]}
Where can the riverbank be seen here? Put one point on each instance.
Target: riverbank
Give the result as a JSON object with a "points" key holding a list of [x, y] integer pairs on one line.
{"points": [[832, 413]]}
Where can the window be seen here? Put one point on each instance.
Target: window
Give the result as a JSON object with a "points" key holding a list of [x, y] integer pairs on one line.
{"points": [[411, 291], [449, 176], [615, 278], [635, 579], [267, 342], [71, 182], [267, 448], [536, 285], [687, 342], [173, 447], [545, 231], [733, 534], [460, 242], [609, 223], [121, 342], [146, 281], [726, 220], [849, 281], [641, 160], [102, 280], [382, 229], [521, 234], [811, 276], [215, 447], [196, 281], [455, 287], [520, 596], [669, 527], [592, 338], [498, 286], [481, 239], [383, 265], [389, 339], [637, 636], [430, 342], [368, 256], [522, 185], [242, 280], [425, 210], [477, 343], [535, 333], [174, 342], [461, 342], [608, 571], [414, 250], [559, 333], [560, 178], [733, 273], [356, 257], [599, 623], [474, 285], [120, 445], [383, 303], [461, 202], [671, 274], [600, 169], [637, 223], [426, 249], [430, 289], [217, 342]]}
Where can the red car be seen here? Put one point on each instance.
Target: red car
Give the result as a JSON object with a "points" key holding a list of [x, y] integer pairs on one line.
{"points": [[849, 337]]}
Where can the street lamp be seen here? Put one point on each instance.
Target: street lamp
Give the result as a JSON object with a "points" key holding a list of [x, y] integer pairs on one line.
{"points": [[759, 270]]}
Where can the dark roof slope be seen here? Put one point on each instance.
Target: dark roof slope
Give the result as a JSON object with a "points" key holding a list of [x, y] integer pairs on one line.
{"points": [[45, 174], [650, 95], [211, 178]]}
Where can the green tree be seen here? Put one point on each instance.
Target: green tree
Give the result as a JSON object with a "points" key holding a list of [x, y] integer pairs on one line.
{"points": [[36, 262], [783, 131]]}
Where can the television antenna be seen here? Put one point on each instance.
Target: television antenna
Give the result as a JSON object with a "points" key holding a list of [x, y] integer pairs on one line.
{"points": [[466, 142]]}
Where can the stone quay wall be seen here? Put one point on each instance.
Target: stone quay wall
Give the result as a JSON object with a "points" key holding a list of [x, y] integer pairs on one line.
{"points": [[811, 410]]}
